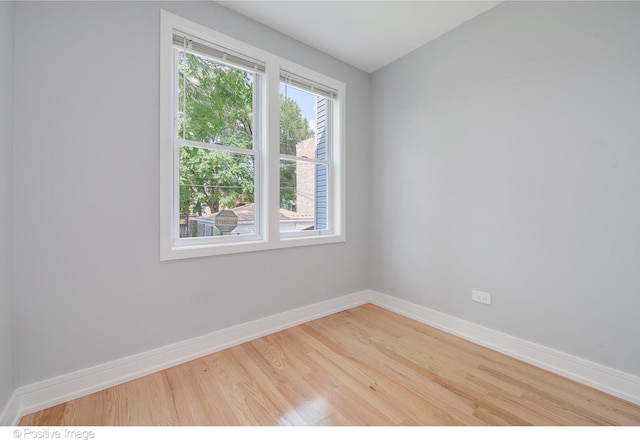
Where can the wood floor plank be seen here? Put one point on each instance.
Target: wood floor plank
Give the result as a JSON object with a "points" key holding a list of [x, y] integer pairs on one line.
{"points": [[363, 366]]}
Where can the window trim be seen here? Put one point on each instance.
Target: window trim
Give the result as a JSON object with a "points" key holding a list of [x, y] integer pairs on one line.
{"points": [[267, 153]]}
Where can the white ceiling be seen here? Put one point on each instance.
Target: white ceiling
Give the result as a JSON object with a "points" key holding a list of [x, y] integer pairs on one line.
{"points": [[366, 34]]}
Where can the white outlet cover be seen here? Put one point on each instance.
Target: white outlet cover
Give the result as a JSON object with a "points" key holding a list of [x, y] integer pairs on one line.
{"points": [[481, 297]]}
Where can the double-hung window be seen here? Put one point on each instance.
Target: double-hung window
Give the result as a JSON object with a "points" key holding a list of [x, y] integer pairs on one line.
{"points": [[251, 147]]}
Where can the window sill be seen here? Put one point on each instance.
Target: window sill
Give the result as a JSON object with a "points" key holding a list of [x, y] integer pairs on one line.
{"points": [[179, 251]]}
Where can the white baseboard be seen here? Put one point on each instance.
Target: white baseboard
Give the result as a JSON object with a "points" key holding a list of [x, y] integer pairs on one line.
{"points": [[10, 415], [603, 378], [37, 396], [50, 392]]}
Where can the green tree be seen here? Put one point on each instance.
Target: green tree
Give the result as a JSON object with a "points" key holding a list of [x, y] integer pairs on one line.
{"points": [[293, 126], [216, 107]]}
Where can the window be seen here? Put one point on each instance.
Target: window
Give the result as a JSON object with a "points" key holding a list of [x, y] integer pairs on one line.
{"points": [[305, 148], [251, 147]]}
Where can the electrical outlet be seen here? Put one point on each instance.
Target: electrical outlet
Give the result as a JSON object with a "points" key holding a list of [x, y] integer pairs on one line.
{"points": [[481, 297]]}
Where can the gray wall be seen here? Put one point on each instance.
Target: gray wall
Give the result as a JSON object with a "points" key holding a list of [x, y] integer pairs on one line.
{"points": [[507, 154], [89, 284], [7, 334]]}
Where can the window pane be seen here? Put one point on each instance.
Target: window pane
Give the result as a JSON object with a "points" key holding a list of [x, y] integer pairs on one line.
{"points": [[303, 196], [215, 182], [215, 102], [298, 119]]}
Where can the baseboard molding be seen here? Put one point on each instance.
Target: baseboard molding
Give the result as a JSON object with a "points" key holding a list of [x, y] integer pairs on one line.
{"points": [[35, 397], [601, 377], [11, 412], [50, 392]]}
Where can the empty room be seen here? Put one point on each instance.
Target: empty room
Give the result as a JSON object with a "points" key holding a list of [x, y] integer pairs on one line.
{"points": [[319, 213]]}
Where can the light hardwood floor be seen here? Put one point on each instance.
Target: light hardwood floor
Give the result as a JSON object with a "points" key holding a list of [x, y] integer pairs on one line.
{"points": [[363, 366]]}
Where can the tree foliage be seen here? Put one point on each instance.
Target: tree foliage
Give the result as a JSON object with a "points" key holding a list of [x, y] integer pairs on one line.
{"points": [[293, 126], [216, 107]]}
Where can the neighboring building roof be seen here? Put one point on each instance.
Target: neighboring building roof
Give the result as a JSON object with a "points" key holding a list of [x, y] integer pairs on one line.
{"points": [[246, 213]]}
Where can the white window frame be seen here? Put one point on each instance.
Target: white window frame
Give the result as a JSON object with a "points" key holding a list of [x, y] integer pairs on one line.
{"points": [[267, 154]]}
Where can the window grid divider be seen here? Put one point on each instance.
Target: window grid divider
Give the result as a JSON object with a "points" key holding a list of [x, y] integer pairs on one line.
{"points": [[215, 147]]}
